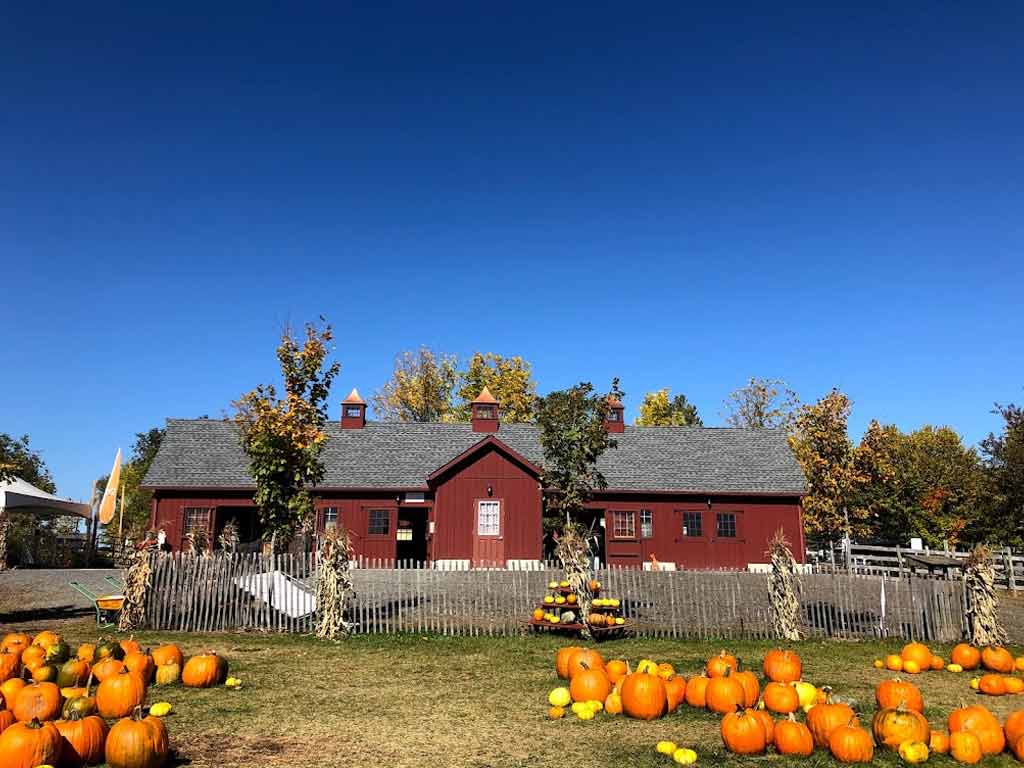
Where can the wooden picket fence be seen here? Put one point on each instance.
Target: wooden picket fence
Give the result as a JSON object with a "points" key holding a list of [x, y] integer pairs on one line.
{"points": [[226, 592]]}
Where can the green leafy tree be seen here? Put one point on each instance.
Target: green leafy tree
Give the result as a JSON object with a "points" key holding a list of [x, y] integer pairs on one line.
{"points": [[822, 446], [283, 437], [573, 437], [658, 410], [421, 388], [1004, 461], [925, 483], [18, 459], [762, 404], [509, 379]]}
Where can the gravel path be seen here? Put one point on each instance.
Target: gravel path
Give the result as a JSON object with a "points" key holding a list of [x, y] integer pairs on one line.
{"points": [[31, 599]]}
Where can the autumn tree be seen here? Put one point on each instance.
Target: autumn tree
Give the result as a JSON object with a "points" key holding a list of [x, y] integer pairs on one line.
{"points": [[573, 437], [825, 452], [421, 388], [283, 437], [658, 410], [19, 459], [762, 404], [509, 379], [1004, 462]]}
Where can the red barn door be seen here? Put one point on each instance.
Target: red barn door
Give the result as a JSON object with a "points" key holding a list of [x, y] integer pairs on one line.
{"points": [[489, 533]]}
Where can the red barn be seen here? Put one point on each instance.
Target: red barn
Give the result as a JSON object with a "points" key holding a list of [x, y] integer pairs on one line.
{"points": [[465, 494]]}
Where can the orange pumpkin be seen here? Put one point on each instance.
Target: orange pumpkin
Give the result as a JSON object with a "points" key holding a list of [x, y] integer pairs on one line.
{"points": [[613, 704], [1013, 685], [696, 691], [767, 722], [46, 638], [616, 670], [9, 689], [119, 695], [781, 698], [137, 742], [992, 685], [10, 664], [824, 718], [997, 659], [938, 742], [893, 726], [851, 744], [38, 701], [107, 667], [589, 685], [210, 669], [33, 656], [83, 740], [782, 666], [643, 696], [894, 662], [938, 663], [1017, 748], [978, 720], [6, 719], [1014, 726], [561, 660], [86, 652], [751, 687], [722, 664], [966, 655], [26, 745], [793, 738], [15, 642], [743, 733], [538, 614], [171, 654], [131, 645], [581, 660], [895, 692], [675, 692], [965, 747], [141, 664], [919, 653], [724, 694]]}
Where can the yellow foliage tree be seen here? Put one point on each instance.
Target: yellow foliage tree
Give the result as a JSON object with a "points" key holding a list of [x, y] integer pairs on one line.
{"points": [[509, 379], [420, 388], [659, 410]]}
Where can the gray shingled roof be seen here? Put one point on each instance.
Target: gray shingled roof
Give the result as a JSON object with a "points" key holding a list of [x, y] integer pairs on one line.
{"points": [[202, 453]]}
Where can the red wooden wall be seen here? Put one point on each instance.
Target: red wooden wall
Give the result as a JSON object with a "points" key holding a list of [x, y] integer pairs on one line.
{"points": [[757, 518], [454, 512]]}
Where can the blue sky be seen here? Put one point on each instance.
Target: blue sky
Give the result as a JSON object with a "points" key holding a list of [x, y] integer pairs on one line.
{"points": [[683, 197]]}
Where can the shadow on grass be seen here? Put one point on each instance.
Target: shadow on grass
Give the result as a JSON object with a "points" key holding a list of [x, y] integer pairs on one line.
{"points": [[50, 613]]}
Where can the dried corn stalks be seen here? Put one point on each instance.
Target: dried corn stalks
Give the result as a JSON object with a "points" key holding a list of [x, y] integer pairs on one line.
{"points": [[136, 590], [228, 538], [334, 591], [782, 599], [982, 604], [573, 552], [5, 526]]}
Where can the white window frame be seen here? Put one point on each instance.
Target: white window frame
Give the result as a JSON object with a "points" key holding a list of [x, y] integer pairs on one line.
{"points": [[488, 517], [330, 518], [646, 524]]}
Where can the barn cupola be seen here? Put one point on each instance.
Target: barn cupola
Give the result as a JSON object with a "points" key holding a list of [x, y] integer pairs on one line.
{"points": [[614, 421], [353, 411], [485, 412]]}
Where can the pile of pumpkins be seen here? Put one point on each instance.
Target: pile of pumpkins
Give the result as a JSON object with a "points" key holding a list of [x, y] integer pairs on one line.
{"points": [[998, 663], [559, 606], [50, 715], [748, 724]]}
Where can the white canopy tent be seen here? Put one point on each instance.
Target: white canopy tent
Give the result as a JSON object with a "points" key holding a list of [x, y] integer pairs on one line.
{"points": [[19, 496]]}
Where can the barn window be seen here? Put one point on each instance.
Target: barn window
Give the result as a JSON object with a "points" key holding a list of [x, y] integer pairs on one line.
{"points": [[488, 518], [485, 412], [693, 524], [646, 523], [354, 411], [380, 522], [726, 525], [330, 517], [613, 414], [196, 518], [624, 525]]}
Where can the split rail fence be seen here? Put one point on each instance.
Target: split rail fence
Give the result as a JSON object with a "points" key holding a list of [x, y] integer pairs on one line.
{"points": [[227, 592]]}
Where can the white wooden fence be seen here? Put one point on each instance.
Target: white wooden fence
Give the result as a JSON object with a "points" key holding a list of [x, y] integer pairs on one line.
{"points": [[254, 592]]}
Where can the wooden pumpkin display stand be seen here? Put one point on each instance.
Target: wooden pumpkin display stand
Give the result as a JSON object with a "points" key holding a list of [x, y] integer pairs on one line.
{"points": [[558, 612]]}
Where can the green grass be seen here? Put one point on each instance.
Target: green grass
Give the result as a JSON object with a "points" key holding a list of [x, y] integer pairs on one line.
{"points": [[434, 701]]}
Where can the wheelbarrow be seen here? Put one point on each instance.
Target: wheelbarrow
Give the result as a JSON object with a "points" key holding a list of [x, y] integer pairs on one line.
{"points": [[108, 607]]}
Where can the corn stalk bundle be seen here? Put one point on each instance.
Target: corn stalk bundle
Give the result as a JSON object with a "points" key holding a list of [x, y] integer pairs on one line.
{"points": [[5, 526], [199, 541], [136, 590], [573, 551], [782, 599], [334, 590], [228, 538], [982, 604]]}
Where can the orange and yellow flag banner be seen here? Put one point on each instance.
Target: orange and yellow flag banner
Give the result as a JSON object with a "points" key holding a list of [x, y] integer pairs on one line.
{"points": [[110, 493]]}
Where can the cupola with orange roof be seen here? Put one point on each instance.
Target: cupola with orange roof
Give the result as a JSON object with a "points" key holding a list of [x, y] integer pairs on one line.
{"points": [[353, 411], [614, 420], [485, 412]]}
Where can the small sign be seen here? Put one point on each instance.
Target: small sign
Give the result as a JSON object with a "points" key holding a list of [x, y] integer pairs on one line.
{"points": [[416, 497], [916, 543]]}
